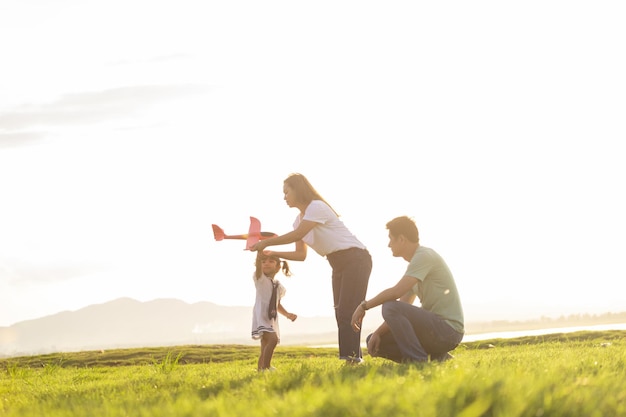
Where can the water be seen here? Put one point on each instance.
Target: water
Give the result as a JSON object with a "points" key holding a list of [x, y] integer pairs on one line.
{"points": [[539, 332]]}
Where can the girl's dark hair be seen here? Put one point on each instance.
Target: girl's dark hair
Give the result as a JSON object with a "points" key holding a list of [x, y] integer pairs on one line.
{"points": [[305, 193], [281, 264]]}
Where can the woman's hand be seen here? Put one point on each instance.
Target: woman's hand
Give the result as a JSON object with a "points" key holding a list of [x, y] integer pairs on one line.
{"points": [[258, 247]]}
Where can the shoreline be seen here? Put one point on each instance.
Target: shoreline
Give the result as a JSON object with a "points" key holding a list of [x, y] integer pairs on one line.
{"points": [[474, 337]]}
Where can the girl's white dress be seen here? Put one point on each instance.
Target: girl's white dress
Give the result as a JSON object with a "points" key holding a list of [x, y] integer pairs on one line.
{"points": [[260, 319]]}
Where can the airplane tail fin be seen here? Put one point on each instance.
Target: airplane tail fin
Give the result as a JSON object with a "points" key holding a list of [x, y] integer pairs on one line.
{"points": [[218, 233]]}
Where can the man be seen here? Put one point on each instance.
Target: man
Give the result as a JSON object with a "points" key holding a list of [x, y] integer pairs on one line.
{"points": [[410, 333]]}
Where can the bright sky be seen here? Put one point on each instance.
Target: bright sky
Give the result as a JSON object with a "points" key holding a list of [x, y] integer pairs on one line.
{"points": [[128, 127]]}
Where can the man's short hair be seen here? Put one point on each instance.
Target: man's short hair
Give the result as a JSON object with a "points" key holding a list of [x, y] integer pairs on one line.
{"points": [[405, 226]]}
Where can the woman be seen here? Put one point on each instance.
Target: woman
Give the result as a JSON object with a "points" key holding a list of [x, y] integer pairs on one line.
{"points": [[318, 226]]}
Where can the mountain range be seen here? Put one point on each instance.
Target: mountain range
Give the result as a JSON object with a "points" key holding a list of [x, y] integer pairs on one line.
{"points": [[125, 322], [128, 323]]}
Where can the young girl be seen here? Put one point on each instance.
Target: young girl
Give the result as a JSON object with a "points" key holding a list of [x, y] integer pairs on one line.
{"points": [[266, 306]]}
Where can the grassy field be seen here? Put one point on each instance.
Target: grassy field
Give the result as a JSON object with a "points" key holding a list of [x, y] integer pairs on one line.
{"points": [[573, 374]]}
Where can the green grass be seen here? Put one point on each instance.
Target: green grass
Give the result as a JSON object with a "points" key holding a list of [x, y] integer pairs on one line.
{"points": [[573, 374]]}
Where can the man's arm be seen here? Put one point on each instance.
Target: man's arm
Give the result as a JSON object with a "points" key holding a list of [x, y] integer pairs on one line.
{"points": [[374, 341], [401, 291]]}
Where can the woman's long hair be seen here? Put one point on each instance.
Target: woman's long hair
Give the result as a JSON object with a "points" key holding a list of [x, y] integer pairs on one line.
{"points": [[305, 192]]}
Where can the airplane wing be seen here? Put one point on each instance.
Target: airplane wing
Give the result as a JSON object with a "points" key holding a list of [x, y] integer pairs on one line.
{"points": [[254, 233]]}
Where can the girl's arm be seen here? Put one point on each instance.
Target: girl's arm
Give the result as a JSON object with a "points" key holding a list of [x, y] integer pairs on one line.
{"points": [[285, 313]]}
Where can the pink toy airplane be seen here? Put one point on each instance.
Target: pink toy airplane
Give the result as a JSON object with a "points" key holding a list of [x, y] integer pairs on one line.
{"points": [[252, 237]]}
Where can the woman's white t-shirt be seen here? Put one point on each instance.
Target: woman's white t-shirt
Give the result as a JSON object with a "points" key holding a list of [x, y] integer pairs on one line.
{"points": [[330, 234]]}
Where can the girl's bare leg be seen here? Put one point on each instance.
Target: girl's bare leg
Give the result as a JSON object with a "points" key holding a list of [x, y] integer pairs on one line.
{"points": [[260, 363], [268, 344]]}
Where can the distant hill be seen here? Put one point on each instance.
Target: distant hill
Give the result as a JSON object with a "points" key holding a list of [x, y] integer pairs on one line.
{"points": [[126, 322]]}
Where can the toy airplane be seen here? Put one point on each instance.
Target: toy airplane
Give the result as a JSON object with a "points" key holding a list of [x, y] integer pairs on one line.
{"points": [[252, 237]]}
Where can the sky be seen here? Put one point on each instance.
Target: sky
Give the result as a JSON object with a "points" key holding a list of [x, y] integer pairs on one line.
{"points": [[128, 128]]}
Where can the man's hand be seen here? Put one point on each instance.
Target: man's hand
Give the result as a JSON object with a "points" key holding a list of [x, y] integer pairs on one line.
{"points": [[373, 344], [357, 318]]}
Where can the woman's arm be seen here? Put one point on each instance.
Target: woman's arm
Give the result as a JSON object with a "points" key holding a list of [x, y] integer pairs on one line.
{"points": [[296, 235], [298, 255]]}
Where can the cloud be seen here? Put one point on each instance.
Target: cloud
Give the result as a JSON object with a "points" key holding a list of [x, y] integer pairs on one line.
{"points": [[10, 140], [20, 274], [152, 60], [91, 107]]}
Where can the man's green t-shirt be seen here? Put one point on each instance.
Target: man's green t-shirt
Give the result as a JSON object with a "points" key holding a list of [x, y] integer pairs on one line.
{"points": [[435, 287]]}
